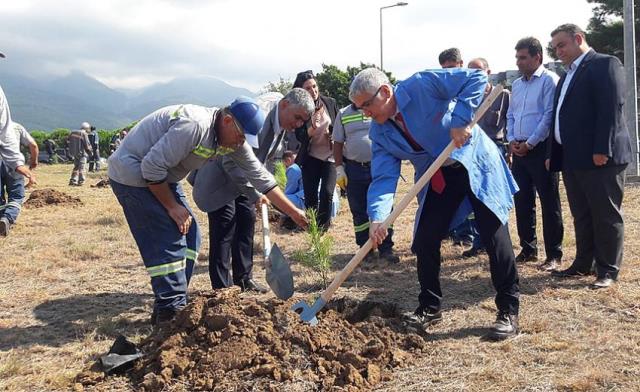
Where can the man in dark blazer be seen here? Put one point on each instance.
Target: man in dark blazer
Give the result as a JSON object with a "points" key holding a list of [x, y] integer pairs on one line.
{"points": [[590, 144], [222, 190]]}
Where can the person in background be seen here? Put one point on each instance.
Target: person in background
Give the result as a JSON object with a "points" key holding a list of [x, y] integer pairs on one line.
{"points": [[315, 156], [94, 142], [494, 124], [10, 153], [528, 125], [352, 153], [590, 143], [450, 58], [79, 149], [12, 187]]}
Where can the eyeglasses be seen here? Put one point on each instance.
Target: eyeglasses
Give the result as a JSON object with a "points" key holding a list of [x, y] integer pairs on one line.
{"points": [[369, 101]]}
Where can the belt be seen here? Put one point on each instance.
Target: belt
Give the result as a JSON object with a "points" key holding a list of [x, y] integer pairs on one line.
{"points": [[363, 164]]}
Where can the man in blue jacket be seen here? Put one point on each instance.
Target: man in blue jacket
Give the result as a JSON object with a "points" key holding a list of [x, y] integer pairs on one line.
{"points": [[416, 120]]}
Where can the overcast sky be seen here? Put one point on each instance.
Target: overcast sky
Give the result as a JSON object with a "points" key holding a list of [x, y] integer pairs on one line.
{"points": [[127, 43]]}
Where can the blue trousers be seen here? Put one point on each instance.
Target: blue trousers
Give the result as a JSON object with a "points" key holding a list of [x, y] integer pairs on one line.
{"points": [[11, 194], [359, 179], [168, 255]]}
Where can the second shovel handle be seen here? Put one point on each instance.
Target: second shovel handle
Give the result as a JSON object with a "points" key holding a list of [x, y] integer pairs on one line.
{"points": [[265, 231]]}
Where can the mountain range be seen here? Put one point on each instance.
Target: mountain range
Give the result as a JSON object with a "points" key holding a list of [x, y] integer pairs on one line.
{"points": [[65, 102]]}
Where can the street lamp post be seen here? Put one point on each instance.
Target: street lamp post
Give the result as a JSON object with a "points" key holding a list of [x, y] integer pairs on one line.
{"points": [[399, 4]]}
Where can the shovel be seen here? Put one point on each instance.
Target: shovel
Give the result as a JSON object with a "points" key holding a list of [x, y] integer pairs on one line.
{"points": [[308, 313], [279, 276]]}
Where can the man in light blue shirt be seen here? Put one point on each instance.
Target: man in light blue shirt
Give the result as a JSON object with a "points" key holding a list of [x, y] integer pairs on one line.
{"points": [[528, 124]]}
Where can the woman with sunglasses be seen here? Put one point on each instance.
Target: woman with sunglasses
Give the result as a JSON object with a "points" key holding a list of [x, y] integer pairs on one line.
{"points": [[315, 156]]}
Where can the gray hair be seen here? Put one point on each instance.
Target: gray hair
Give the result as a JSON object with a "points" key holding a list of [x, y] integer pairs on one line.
{"points": [[301, 98], [481, 60], [368, 80]]}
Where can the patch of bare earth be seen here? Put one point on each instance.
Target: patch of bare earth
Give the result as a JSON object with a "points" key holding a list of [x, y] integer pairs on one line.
{"points": [[72, 280], [46, 197], [222, 340]]}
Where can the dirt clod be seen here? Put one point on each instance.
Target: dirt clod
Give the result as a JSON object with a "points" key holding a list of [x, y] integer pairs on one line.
{"points": [[47, 196], [225, 339], [103, 183]]}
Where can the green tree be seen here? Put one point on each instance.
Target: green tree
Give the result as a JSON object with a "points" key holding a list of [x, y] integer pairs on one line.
{"points": [[334, 82], [282, 86], [605, 32]]}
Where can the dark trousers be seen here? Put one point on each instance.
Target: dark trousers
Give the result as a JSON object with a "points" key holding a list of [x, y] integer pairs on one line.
{"points": [[231, 243], [94, 160], [595, 199], [531, 175], [436, 215], [359, 179], [317, 173]]}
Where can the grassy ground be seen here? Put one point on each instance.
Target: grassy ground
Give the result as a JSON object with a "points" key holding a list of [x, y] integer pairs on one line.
{"points": [[71, 280]]}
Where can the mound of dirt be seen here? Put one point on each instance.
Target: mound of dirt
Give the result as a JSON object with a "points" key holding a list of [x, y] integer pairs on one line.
{"points": [[226, 341], [45, 197]]}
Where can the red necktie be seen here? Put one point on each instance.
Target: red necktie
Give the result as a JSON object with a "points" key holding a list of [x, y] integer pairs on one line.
{"points": [[437, 181]]}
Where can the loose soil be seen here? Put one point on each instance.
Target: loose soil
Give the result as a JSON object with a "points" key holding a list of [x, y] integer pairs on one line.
{"points": [[45, 197], [225, 339]]}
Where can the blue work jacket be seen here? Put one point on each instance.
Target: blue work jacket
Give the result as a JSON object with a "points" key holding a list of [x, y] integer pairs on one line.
{"points": [[432, 102]]}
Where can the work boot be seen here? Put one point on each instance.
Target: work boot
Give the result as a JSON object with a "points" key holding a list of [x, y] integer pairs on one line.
{"points": [[389, 256], [505, 326], [162, 317], [252, 285], [5, 226]]}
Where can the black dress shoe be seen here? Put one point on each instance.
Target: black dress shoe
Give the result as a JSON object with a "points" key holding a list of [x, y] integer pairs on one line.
{"points": [[252, 285], [505, 326], [602, 283], [524, 257], [423, 317], [571, 272], [551, 264]]}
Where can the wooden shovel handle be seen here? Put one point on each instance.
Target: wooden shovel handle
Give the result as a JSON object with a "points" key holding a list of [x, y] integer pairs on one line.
{"points": [[415, 189], [266, 245]]}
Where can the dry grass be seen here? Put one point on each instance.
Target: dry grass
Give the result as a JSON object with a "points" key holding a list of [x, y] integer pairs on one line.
{"points": [[71, 280]]}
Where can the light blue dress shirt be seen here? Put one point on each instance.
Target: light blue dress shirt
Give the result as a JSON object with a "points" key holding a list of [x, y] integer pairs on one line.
{"points": [[531, 110], [432, 102]]}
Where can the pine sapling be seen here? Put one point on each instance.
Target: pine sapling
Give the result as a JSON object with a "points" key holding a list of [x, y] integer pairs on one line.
{"points": [[318, 254]]}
